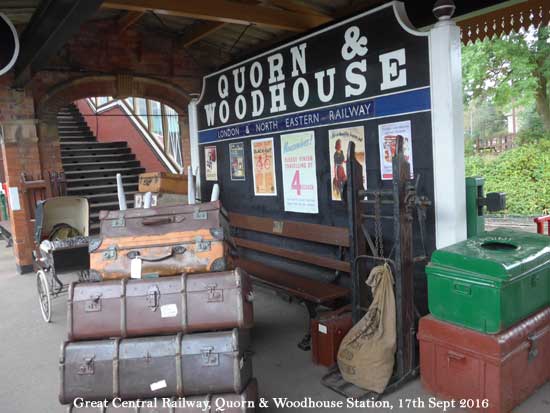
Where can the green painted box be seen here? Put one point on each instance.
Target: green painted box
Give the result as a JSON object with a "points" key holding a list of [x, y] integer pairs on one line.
{"points": [[490, 281]]}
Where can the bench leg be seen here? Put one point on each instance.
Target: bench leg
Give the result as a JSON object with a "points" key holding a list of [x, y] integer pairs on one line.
{"points": [[305, 344]]}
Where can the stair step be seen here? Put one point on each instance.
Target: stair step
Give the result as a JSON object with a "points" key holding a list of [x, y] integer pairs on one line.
{"points": [[97, 173], [109, 206], [106, 157], [76, 132], [95, 166], [101, 181], [77, 139], [92, 145], [110, 197], [100, 189], [75, 153]]}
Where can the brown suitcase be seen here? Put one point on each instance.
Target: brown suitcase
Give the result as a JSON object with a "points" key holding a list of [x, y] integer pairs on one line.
{"points": [[327, 332], [162, 220], [160, 366], [163, 182], [187, 303], [173, 253], [160, 199], [245, 402], [489, 373]]}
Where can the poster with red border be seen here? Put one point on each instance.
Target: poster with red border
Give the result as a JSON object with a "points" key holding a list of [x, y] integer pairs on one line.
{"points": [[263, 167]]}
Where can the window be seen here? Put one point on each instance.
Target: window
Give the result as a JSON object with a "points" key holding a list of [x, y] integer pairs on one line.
{"points": [[174, 140], [156, 121], [141, 111], [130, 102]]}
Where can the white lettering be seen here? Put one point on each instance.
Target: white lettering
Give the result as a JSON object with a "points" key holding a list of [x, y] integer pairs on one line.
{"points": [[256, 79], [257, 102], [300, 83], [298, 59], [240, 107], [394, 73], [277, 98], [224, 111], [236, 72], [223, 86], [323, 96], [354, 77], [210, 110], [276, 68]]}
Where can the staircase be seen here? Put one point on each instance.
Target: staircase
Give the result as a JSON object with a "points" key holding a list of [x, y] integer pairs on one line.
{"points": [[91, 166]]}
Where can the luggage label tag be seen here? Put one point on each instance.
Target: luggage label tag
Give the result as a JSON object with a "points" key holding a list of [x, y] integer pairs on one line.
{"points": [[161, 384], [168, 310], [323, 329], [135, 268]]}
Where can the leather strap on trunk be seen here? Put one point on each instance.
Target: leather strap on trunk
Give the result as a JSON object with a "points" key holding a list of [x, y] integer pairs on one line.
{"points": [[184, 321], [179, 367], [123, 321], [116, 384]]}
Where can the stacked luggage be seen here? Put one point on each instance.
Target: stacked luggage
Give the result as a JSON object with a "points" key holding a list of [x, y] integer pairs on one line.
{"points": [[487, 340], [170, 318], [166, 189]]}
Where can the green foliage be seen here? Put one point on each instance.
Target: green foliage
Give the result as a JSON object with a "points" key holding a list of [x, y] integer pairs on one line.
{"points": [[532, 129], [522, 173]]}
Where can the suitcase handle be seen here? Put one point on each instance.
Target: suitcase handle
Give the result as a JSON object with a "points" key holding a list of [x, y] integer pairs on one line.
{"points": [[460, 288], [161, 221], [451, 355], [175, 250]]}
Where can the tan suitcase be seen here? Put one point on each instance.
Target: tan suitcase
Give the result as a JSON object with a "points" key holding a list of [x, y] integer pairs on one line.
{"points": [[163, 182], [149, 256]]}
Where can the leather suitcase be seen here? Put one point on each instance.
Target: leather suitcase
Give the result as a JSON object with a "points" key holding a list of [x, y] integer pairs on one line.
{"points": [[203, 250], [186, 303], [245, 402], [163, 182], [327, 332], [155, 367], [162, 220], [160, 199], [504, 369]]}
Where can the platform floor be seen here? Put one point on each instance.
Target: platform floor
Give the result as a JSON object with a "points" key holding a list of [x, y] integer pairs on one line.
{"points": [[29, 353]]}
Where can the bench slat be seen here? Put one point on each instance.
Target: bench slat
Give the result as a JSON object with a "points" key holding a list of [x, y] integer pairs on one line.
{"points": [[305, 288], [318, 260], [323, 234]]}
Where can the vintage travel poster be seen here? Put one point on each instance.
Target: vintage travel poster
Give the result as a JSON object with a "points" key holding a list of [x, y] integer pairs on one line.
{"points": [[263, 167], [338, 140], [211, 163], [299, 172], [387, 135], [236, 161]]}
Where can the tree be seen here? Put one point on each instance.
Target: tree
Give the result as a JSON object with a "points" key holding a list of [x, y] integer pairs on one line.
{"points": [[513, 70]]}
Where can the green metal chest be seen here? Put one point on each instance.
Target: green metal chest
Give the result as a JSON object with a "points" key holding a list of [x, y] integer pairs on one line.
{"points": [[490, 281]]}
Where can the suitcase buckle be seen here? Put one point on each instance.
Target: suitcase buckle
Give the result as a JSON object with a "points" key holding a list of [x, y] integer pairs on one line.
{"points": [[533, 350], [153, 297], [94, 304], [208, 357], [201, 245], [214, 294], [198, 214], [120, 222], [87, 368], [110, 253]]}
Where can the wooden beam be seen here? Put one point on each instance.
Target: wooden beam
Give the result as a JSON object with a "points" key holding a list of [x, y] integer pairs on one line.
{"points": [[198, 31], [299, 7], [224, 11], [128, 19]]}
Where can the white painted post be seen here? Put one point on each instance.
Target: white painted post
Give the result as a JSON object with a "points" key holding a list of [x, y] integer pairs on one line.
{"points": [[147, 200], [120, 193], [194, 143], [191, 196], [448, 127], [215, 193]]}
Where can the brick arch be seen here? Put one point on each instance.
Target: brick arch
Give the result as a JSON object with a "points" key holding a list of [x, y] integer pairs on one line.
{"points": [[117, 86]]}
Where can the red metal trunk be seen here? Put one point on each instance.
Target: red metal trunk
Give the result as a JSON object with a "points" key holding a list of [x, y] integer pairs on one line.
{"points": [[505, 369], [327, 332]]}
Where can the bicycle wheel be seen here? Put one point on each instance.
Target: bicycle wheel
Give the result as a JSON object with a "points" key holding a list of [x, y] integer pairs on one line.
{"points": [[44, 297]]}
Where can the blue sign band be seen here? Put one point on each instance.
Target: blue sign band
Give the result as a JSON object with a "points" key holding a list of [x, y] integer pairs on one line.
{"points": [[389, 105]]}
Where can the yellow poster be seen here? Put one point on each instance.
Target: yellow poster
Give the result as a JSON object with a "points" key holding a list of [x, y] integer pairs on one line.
{"points": [[263, 167]]}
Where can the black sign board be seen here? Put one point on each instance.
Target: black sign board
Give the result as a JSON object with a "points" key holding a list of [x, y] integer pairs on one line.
{"points": [[368, 76], [9, 44]]}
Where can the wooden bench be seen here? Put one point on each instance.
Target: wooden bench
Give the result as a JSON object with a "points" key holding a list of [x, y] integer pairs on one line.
{"points": [[312, 293], [5, 232]]}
